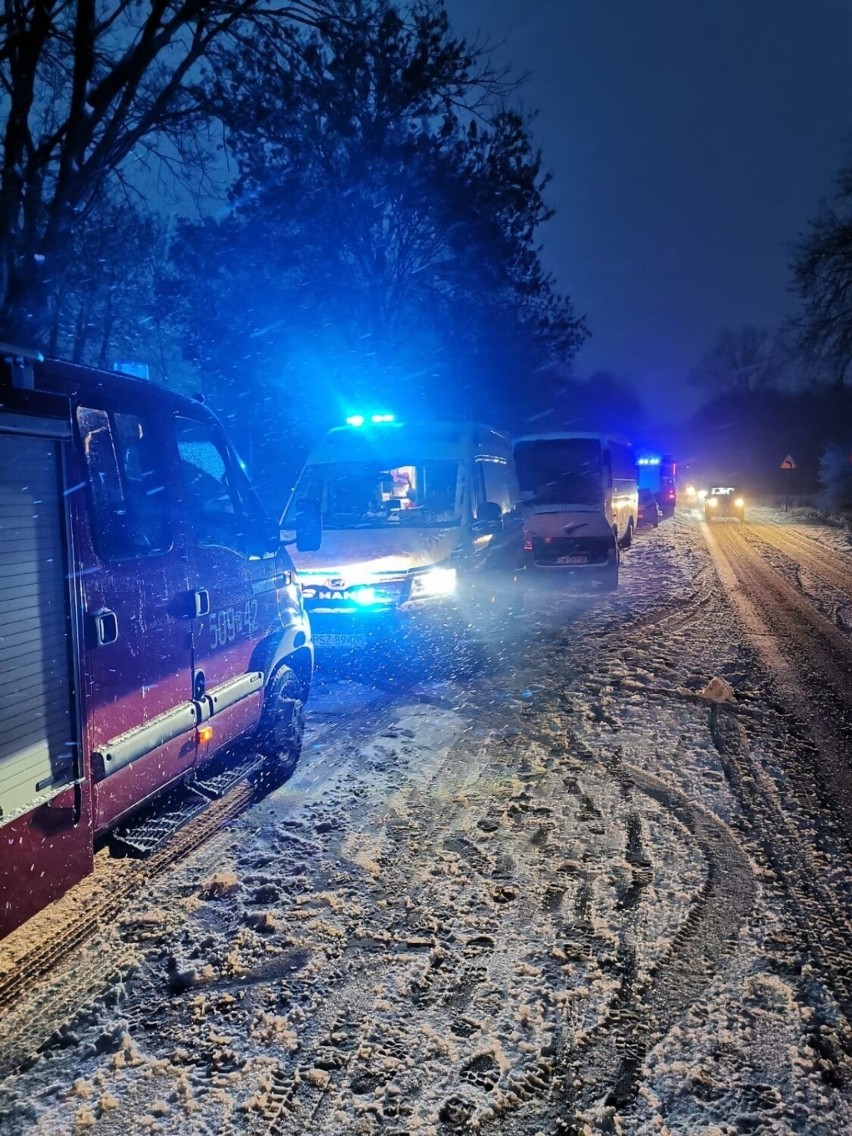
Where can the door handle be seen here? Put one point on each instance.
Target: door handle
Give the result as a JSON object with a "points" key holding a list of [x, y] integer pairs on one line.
{"points": [[106, 627], [201, 602]]}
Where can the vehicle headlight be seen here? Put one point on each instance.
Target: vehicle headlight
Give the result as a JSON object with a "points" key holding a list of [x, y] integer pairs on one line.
{"points": [[702, 493], [712, 502], [364, 597], [739, 502], [434, 582]]}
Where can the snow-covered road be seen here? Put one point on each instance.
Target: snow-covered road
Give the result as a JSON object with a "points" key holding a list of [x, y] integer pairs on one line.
{"points": [[588, 889]]}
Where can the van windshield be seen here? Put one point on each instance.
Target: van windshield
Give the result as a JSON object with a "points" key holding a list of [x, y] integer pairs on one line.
{"points": [[373, 495], [561, 471]]}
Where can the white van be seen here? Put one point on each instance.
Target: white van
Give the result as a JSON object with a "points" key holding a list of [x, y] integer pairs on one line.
{"points": [[421, 523], [581, 501]]}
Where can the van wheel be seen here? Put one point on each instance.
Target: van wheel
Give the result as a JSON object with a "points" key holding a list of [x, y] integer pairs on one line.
{"points": [[609, 579], [282, 727]]}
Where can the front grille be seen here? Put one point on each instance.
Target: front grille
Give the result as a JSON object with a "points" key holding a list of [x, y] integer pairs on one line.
{"points": [[389, 593]]}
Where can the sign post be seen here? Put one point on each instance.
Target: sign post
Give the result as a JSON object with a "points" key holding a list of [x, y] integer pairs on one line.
{"points": [[789, 465]]}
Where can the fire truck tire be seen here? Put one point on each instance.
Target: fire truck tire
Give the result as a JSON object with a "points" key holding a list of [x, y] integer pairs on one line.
{"points": [[283, 725]]}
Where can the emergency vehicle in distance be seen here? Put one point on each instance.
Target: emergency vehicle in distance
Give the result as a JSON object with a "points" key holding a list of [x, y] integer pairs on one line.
{"points": [[421, 530], [152, 632], [658, 472]]}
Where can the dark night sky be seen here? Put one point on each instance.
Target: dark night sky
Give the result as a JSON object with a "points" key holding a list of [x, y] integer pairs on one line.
{"points": [[690, 142]]}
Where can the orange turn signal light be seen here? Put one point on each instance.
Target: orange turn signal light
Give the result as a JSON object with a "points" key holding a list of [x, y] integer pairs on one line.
{"points": [[204, 734]]}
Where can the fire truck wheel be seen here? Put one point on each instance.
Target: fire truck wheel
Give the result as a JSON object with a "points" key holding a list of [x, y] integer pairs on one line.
{"points": [[282, 726]]}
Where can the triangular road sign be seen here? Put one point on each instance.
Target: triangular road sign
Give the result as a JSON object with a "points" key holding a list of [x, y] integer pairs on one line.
{"points": [[788, 463]]}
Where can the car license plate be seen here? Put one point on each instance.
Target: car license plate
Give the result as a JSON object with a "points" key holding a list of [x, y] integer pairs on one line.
{"points": [[572, 560], [334, 640]]}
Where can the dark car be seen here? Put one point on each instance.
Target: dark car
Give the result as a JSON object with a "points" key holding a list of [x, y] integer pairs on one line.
{"points": [[724, 501], [649, 512]]}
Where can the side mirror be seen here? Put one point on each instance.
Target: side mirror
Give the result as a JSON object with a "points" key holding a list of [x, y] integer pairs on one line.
{"points": [[309, 525], [489, 517]]}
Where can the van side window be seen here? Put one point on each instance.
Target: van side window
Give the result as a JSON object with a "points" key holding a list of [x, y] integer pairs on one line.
{"points": [[214, 506], [493, 482], [124, 464]]}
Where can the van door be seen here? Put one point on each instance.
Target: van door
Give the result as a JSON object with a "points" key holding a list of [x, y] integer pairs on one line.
{"points": [[140, 717], [233, 584], [498, 556]]}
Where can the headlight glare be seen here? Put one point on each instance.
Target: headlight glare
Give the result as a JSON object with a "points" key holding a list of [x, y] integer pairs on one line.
{"points": [[739, 502], [434, 582], [712, 502]]}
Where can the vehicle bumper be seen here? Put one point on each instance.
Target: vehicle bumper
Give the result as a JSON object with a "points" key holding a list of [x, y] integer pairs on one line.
{"points": [[347, 630]]}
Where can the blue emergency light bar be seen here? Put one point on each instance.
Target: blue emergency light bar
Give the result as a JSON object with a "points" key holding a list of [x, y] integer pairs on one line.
{"points": [[359, 419], [648, 461]]}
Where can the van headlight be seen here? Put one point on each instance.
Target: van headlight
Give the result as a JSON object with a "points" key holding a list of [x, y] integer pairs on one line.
{"points": [[739, 502], [712, 502], [433, 582]]}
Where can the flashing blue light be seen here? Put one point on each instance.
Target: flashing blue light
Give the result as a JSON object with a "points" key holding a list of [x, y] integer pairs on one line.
{"points": [[364, 597], [359, 419], [648, 461]]}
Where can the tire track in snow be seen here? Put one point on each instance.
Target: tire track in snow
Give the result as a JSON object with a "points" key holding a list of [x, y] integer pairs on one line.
{"points": [[604, 1066], [821, 904], [301, 1099], [811, 554], [810, 659]]}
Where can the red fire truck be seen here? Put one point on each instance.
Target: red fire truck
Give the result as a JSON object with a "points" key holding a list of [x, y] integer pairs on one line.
{"points": [[152, 633]]}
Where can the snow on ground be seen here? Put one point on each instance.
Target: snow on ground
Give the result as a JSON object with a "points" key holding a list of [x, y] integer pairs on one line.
{"points": [[529, 901]]}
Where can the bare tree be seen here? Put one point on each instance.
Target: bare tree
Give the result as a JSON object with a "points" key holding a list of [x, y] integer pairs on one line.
{"points": [[91, 90], [822, 278], [741, 362], [385, 223]]}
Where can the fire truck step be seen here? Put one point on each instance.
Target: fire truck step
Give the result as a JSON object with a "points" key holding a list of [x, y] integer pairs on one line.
{"points": [[221, 779], [152, 829]]}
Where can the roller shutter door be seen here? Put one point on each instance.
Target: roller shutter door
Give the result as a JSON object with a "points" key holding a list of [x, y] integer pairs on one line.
{"points": [[37, 727]]}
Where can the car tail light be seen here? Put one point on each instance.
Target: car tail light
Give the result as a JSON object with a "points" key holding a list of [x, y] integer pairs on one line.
{"points": [[528, 542]]}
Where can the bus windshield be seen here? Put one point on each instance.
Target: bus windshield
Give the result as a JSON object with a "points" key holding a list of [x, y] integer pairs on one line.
{"points": [[376, 495], [561, 471]]}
